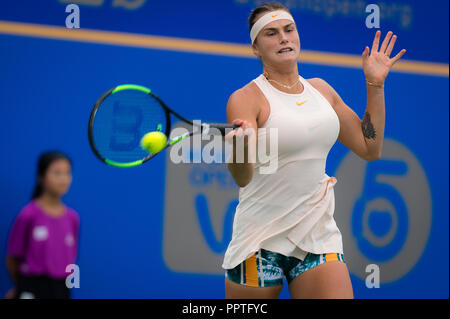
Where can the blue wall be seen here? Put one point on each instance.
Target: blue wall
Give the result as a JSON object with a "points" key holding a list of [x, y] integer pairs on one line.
{"points": [[47, 90]]}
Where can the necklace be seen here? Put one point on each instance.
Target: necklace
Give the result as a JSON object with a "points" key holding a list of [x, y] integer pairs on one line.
{"points": [[280, 84]]}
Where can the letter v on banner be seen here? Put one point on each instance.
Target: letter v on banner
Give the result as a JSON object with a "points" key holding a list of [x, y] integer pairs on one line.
{"points": [[200, 202]]}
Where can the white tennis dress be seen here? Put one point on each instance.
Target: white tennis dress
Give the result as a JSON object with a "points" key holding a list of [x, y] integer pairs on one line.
{"points": [[290, 211]]}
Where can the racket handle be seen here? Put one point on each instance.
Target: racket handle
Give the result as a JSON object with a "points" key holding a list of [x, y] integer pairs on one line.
{"points": [[220, 126]]}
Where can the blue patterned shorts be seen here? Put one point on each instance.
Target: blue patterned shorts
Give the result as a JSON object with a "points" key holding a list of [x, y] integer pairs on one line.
{"points": [[266, 268]]}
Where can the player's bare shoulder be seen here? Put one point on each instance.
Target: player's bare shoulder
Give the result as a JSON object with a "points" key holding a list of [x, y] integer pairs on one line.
{"points": [[248, 99]]}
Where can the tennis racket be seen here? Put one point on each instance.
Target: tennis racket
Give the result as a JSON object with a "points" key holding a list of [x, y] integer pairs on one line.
{"points": [[123, 115]]}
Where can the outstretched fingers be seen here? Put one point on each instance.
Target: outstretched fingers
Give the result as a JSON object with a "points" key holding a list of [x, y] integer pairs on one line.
{"points": [[384, 45], [376, 42], [398, 56]]}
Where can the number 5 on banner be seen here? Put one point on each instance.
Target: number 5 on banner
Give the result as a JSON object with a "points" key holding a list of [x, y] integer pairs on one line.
{"points": [[377, 199]]}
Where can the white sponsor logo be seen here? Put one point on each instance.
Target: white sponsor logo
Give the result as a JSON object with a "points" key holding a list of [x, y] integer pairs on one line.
{"points": [[40, 233]]}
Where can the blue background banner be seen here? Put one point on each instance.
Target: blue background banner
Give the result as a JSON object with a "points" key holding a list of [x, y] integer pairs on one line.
{"points": [[324, 25], [130, 217]]}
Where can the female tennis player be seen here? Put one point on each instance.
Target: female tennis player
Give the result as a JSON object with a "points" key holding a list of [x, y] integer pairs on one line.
{"points": [[284, 225], [44, 236]]}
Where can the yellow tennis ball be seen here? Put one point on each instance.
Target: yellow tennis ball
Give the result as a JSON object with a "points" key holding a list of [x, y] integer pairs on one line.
{"points": [[153, 142]]}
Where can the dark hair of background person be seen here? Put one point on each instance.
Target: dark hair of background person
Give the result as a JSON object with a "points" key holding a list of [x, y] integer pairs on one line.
{"points": [[45, 159]]}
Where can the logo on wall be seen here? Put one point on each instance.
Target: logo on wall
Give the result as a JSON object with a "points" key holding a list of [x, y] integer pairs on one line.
{"points": [[200, 202], [125, 4], [383, 209]]}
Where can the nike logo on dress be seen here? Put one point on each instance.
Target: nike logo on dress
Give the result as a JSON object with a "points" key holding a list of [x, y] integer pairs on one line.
{"points": [[301, 103]]}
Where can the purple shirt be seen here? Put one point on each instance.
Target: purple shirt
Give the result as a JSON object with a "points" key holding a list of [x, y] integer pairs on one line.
{"points": [[45, 244]]}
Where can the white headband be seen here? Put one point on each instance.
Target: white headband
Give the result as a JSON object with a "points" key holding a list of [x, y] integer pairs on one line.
{"points": [[267, 18]]}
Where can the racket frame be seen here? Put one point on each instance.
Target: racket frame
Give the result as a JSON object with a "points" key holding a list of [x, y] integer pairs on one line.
{"points": [[167, 112]]}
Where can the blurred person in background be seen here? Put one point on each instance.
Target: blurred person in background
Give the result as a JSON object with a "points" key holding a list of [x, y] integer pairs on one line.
{"points": [[44, 236]]}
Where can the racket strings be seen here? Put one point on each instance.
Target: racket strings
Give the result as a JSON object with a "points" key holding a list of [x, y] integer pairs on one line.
{"points": [[121, 121]]}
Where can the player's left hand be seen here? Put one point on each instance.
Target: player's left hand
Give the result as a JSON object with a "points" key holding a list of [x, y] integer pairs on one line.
{"points": [[378, 64]]}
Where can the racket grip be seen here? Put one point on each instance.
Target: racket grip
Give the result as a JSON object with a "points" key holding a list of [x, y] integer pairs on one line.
{"points": [[220, 126]]}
